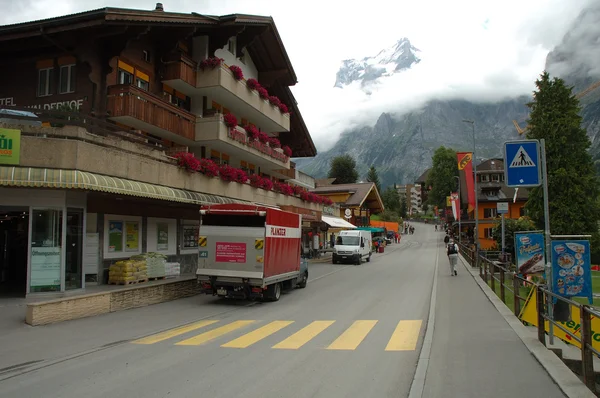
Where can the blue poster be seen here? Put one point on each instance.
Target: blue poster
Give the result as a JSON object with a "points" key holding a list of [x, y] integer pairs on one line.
{"points": [[529, 250], [571, 271]]}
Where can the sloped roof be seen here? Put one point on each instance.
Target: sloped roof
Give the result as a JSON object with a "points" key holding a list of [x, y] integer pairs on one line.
{"points": [[423, 177], [359, 192], [324, 182]]}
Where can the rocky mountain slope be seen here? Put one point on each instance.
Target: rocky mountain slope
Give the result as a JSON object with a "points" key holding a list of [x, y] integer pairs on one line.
{"points": [[401, 147]]}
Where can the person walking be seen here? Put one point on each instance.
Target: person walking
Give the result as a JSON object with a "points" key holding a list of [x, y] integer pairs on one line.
{"points": [[446, 238], [452, 252]]}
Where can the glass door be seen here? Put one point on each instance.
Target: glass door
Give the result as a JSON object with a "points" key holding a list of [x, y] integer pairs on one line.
{"points": [[74, 249], [46, 249]]}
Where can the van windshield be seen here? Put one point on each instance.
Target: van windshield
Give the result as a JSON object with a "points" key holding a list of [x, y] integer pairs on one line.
{"points": [[347, 240]]}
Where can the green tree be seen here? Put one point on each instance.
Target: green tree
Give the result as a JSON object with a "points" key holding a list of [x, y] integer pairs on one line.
{"points": [[391, 200], [441, 177], [510, 227], [372, 176], [343, 169], [389, 215], [403, 208], [573, 187]]}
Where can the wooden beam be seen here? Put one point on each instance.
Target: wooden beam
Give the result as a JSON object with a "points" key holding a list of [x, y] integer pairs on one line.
{"points": [[269, 77]]}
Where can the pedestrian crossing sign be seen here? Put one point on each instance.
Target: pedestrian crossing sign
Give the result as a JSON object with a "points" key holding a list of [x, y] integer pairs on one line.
{"points": [[522, 163]]}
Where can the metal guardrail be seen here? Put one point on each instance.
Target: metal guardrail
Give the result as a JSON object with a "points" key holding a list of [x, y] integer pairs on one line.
{"points": [[503, 275]]}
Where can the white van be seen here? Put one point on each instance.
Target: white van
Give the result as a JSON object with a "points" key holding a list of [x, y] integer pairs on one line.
{"points": [[352, 246]]}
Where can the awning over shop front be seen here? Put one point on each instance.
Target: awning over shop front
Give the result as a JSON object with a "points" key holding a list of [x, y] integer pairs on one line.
{"points": [[30, 177], [337, 222]]}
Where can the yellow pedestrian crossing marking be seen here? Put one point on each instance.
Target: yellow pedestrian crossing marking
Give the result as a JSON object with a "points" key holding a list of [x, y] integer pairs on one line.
{"points": [[353, 336], [304, 335], [405, 336], [173, 332], [257, 335], [215, 333]]}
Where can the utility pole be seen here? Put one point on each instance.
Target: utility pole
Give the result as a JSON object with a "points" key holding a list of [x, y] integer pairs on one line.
{"points": [[459, 211], [472, 123]]}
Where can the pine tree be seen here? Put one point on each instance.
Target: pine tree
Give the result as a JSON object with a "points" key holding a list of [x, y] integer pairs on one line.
{"points": [[374, 177], [343, 169], [572, 184]]}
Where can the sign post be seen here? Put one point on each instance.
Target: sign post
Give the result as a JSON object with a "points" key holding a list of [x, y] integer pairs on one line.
{"points": [[502, 208], [525, 166]]}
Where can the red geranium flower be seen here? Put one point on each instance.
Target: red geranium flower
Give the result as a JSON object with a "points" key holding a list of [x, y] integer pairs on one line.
{"points": [[208, 168], [211, 62], [274, 100], [274, 143], [287, 150], [237, 72], [263, 137], [230, 120], [264, 94], [188, 161], [252, 84], [252, 132], [283, 108]]}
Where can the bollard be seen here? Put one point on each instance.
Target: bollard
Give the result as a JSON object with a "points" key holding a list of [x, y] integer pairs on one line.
{"points": [[516, 291], [502, 293], [541, 308], [587, 359]]}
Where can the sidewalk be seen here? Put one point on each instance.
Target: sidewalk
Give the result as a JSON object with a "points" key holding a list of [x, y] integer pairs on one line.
{"points": [[474, 351]]}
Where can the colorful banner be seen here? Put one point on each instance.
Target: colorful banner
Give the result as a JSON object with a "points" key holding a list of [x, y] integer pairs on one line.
{"points": [[529, 250], [115, 236], [132, 237], [10, 146], [529, 315], [448, 201], [571, 268], [465, 164], [455, 205]]}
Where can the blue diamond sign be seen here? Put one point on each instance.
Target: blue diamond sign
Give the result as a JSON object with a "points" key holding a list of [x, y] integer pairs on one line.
{"points": [[522, 163]]}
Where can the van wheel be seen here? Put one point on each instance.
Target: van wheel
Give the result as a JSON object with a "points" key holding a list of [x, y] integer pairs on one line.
{"points": [[359, 261], [303, 280], [369, 258], [274, 292]]}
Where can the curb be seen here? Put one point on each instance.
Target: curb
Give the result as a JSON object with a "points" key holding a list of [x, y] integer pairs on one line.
{"points": [[418, 383], [564, 377]]}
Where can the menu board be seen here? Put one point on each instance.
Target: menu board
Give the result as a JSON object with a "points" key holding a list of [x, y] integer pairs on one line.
{"points": [[571, 270]]}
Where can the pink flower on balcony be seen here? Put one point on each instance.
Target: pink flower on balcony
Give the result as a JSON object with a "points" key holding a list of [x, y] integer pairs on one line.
{"points": [[188, 161], [208, 168], [255, 180], [287, 150], [263, 137], [252, 132], [298, 190], [274, 143], [237, 72], [264, 94], [252, 84], [283, 108], [266, 184], [227, 173], [274, 100], [211, 62], [230, 121], [241, 176], [284, 188]]}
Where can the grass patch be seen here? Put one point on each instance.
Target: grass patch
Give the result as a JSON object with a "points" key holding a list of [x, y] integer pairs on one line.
{"points": [[509, 298]]}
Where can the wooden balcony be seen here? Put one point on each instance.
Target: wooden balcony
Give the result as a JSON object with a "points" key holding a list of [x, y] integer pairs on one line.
{"points": [[145, 111], [181, 73]]}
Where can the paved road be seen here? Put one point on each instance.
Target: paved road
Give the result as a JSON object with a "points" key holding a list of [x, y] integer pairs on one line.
{"points": [[354, 332]]}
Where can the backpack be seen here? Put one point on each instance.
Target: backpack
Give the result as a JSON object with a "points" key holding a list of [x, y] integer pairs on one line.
{"points": [[452, 249]]}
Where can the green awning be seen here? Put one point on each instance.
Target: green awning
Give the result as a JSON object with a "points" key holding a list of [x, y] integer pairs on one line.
{"points": [[372, 229], [30, 177]]}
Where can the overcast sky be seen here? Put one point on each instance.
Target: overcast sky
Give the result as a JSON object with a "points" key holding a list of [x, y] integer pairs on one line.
{"points": [[481, 50]]}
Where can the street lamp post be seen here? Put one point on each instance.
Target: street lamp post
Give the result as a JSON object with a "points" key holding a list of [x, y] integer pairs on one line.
{"points": [[472, 123], [459, 212]]}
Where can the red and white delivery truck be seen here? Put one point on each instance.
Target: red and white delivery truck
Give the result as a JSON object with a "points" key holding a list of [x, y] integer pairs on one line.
{"points": [[249, 251]]}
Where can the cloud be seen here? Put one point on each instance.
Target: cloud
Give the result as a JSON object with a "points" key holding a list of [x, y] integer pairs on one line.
{"points": [[470, 49]]}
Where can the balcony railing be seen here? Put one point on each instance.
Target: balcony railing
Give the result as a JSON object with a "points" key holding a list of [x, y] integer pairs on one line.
{"points": [[181, 67], [125, 101]]}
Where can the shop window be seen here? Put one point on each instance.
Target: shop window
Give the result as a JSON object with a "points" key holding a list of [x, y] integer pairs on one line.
{"points": [[68, 77], [123, 236], [189, 237], [490, 213], [46, 250], [45, 77], [125, 77]]}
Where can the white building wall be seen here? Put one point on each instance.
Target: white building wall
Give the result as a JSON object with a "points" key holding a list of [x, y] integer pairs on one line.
{"points": [[245, 63]]}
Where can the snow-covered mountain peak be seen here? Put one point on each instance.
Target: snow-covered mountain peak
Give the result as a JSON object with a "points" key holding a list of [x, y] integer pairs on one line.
{"points": [[401, 56]]}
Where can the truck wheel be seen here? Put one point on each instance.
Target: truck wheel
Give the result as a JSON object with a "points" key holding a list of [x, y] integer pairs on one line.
{"points": [[274, 292], [303, 280]]}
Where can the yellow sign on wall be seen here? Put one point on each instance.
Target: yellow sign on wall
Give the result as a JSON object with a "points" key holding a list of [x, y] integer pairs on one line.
{"points": [[10, 146], [529, 315]]}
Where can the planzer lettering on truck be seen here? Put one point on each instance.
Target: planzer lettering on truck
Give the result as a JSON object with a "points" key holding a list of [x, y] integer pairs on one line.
{"points": [[277, 231]]}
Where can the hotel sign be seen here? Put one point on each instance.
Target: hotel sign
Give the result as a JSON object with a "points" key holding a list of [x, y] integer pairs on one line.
{"points": [[10, 146]]}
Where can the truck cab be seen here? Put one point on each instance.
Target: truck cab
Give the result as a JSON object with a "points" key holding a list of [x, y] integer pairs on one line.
{"points": [[352, 246]]}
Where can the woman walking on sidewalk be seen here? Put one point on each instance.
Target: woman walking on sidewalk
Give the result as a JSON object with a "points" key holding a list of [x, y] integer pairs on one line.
{"points": [[452, 252]]}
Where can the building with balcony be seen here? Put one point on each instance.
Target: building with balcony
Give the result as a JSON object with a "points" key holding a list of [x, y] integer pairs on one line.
{"points": [[491, 190], [116, 110]]}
